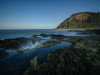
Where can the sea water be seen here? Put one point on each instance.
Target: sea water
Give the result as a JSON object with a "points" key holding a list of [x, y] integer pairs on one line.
{"points": [[5, 34]]}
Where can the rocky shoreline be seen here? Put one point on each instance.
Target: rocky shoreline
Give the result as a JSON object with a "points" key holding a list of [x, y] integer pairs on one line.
{"points": [[81, 58], [16, 43]]}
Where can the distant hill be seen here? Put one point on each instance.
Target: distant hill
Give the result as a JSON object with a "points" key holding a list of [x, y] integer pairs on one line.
{"points": [[83, 20]]}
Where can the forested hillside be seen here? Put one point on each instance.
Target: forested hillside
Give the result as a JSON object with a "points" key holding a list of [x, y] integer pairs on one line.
{"points": [[83, 20]]}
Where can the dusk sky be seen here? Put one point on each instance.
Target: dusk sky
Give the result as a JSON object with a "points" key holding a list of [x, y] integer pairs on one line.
{"points": [[41, 14]]}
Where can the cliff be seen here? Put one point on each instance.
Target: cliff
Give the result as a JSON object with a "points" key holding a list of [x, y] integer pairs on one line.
{"points": [[83, 20]]}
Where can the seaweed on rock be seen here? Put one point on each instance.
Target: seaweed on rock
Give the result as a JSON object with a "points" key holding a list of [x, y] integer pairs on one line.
{"points": [[82, 58]]}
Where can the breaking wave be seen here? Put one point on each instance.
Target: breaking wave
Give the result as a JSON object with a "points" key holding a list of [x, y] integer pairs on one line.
{"points": [[30, 44]]}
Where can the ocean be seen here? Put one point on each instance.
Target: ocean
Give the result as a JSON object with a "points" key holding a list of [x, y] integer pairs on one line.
{"points": [[5, 34]]}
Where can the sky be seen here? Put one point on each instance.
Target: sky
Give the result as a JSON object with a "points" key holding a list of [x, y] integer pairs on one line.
{"points": [[41, 14]]}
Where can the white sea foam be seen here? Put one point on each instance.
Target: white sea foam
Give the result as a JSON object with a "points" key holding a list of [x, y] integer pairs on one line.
{"points": [[30, 45]]}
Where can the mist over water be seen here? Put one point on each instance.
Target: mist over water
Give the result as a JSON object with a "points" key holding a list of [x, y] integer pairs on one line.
{"points": [[30, 44]]}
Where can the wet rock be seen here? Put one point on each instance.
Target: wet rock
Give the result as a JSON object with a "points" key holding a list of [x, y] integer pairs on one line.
{"points": [[91, 31], [20, 51], [3, 54], [44, 35], [50, 43], [47, 44], [6, 44], [30, 50], [57, 36], [13, 43], [96, 31], [34, 63], [35, 36], [38, 46], [87, 44]]}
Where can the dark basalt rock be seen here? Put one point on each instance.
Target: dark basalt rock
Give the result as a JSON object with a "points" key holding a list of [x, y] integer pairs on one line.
{"points": [[47, 44], [57, 36], [3, 54], [13, 43], [35, 36], [20, 51], [96, 31], [53, 36], [44, 35]]}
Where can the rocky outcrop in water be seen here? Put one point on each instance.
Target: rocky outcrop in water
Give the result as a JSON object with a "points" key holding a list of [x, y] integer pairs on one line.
{"points": [[47, 44], [13, 43]]}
